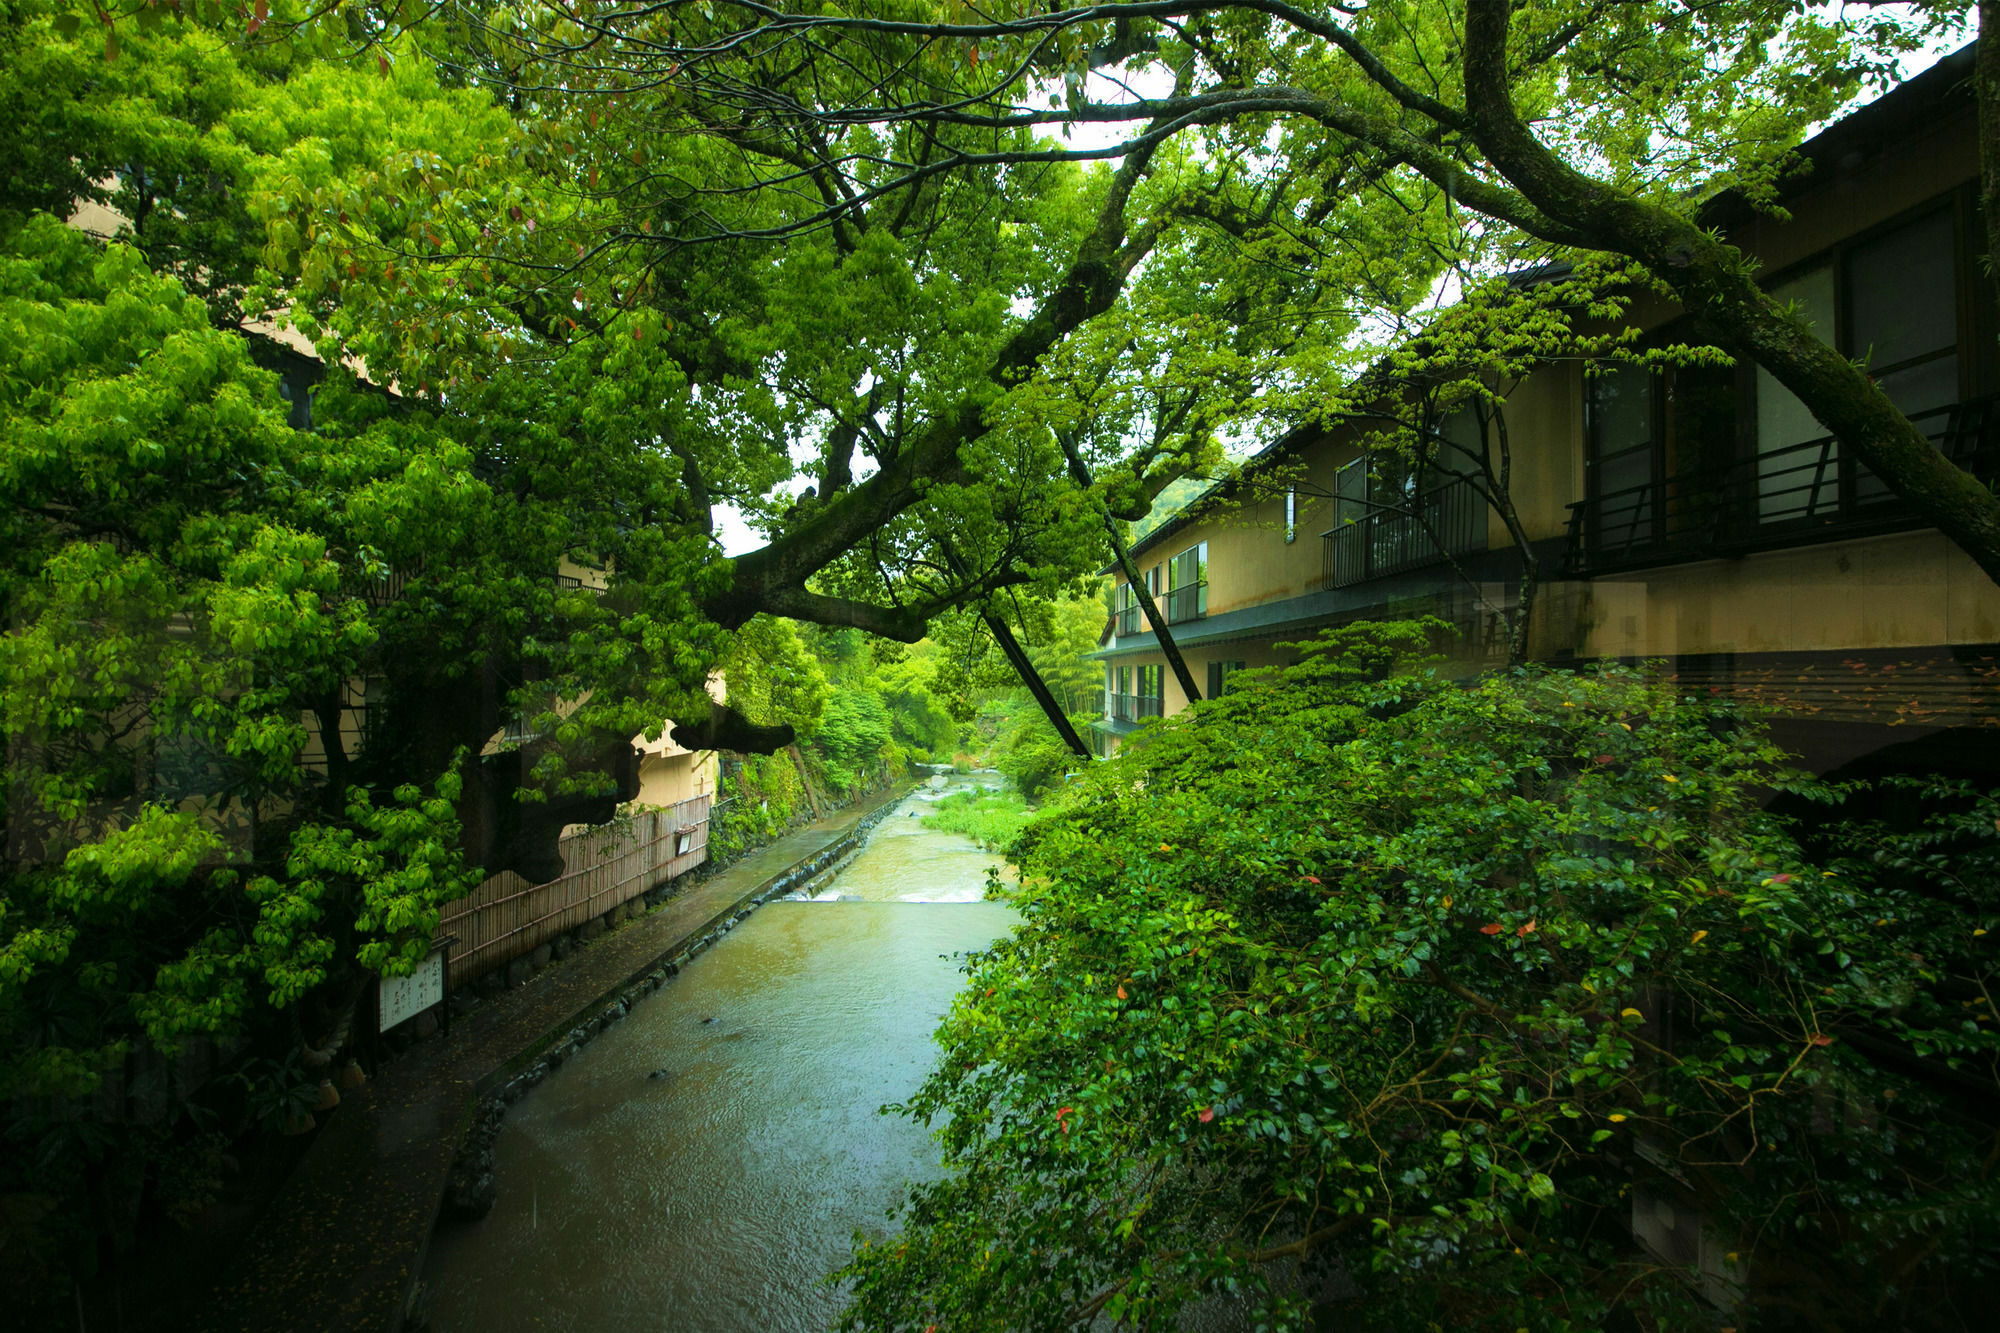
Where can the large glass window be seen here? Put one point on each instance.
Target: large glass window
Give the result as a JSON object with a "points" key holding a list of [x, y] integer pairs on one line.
{"points": [[1900, 292], [1187, 584], [1625, 455], [1128, 609], [1218, 677], [1797, 467], [1152, 692]]}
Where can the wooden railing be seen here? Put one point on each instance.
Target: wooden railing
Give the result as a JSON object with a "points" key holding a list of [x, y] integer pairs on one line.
{"points": [[506, 916]]}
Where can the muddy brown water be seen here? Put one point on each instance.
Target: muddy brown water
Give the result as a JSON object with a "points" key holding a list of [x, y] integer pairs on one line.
{"points": [[705, 1163]]}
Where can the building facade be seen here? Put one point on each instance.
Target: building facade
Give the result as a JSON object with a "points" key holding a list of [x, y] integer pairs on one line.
{"points": [[1696, 516]]}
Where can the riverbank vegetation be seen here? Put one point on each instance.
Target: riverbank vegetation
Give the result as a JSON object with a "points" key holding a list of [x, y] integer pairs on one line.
{"points": [[993, 819], [1359, 992], [863, 710]]}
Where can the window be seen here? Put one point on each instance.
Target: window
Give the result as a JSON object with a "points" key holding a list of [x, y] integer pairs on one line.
{"points": [[1218, 677], [1152, 692], [1187, 584], [1292, 514], [1391, 515], [683, 842], [1797, 468], [1128, 609], [1892, 303], [1350, 492], [1123, 709], [1624, 454]]}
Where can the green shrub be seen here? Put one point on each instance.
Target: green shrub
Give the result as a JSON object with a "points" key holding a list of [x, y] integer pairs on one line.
{"points": [[1435, 982]]}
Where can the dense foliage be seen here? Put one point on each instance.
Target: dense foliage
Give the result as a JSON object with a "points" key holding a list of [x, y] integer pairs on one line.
{"points": [[1360, 989]]}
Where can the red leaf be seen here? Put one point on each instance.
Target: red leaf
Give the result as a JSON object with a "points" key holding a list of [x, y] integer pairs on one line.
{"points": [[1207, 1114], [1121, 992], [1525, 931], [1492, 928], [1604, 759], [1061, 1122], [1821, 1039], [1312, 879]]}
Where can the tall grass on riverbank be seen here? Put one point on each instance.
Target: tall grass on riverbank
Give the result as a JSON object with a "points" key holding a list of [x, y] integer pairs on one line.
{"points": [[989, 818]]}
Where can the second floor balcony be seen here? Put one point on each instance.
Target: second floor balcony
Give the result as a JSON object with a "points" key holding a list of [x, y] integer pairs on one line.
{"points": [[1438, 523], [1189, 602], [1792, 496]]}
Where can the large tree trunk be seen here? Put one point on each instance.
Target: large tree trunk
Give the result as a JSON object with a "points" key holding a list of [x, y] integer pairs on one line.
{"points": [[1032, 678], [1080, 474]]}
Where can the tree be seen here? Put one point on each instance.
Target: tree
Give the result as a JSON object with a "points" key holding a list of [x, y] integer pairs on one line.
{"points": [[1266, 125], [1358, 972]]}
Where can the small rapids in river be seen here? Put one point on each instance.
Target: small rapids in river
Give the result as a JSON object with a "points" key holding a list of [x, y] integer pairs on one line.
{"points": [[704, 1164]]}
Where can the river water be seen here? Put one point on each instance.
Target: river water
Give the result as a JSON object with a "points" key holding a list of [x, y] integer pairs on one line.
{"points": [[704, 1164]]}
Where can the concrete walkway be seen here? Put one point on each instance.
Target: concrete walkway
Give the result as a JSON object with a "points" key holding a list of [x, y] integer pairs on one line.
{"points": [[344, 1241]]}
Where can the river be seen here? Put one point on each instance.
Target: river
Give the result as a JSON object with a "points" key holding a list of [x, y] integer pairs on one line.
{"points": [[703, 1164]]}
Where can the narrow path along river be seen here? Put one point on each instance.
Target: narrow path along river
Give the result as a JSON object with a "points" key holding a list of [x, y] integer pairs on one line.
{"points": [[704, 1164]]}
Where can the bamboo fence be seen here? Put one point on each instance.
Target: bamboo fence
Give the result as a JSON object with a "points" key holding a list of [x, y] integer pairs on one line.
{"points": [[506, 916]]}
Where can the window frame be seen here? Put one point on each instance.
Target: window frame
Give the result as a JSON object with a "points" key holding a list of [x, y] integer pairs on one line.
{"points": [[1972, 318], [1176, 614]]}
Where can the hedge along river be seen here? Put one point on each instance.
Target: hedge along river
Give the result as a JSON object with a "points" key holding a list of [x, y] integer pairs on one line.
{"points": [[705, 1163]]}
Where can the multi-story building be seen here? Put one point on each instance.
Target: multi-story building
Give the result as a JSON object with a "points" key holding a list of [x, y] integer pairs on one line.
{"points": [[1698, 516]]}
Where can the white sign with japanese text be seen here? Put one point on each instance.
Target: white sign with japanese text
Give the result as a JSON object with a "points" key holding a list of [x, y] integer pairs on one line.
{"points": [[406, 997]]}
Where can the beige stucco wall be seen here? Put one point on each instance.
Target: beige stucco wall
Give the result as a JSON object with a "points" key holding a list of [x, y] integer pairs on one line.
{"points": [[1901, 591]]}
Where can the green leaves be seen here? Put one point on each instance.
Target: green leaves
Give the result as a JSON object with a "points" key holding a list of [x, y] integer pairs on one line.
{"points": [[1362, 1061]]}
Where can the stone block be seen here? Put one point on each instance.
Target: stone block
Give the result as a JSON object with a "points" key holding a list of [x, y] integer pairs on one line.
{"points": [[518, 972], [539, 959], [470, 1200], [590, 929], [424, 1024]]}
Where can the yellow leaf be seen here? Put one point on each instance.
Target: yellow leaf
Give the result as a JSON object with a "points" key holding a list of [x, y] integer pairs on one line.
{"points": [[1668, 777], [1699, 936], [1617, 1117], [1632, 1013]]}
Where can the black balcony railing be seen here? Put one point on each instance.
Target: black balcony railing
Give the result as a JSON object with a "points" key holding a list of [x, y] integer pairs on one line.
{"points": [[1128, 619], [1786, 497], [1133, 707], [1448, 520], [1189, 603]]}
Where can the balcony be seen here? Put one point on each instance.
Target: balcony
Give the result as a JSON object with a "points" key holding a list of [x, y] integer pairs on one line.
{"points": [[1789, 497], [1128, 619], [1450, 520], [1134, 707], [1187, 603]]}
